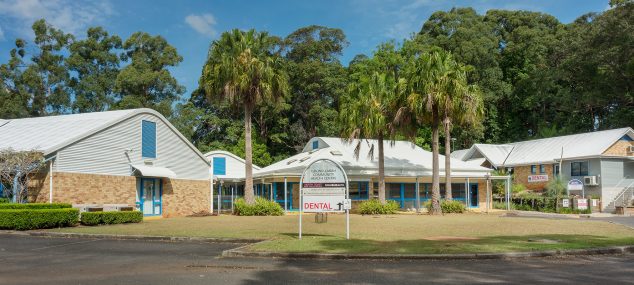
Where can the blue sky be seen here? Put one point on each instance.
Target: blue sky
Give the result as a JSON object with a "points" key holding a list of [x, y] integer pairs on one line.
{"points": [[191, 25]]}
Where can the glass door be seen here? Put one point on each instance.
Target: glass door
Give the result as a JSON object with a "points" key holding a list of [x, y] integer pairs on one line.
{"points": [[150, 196], [473, 195]]}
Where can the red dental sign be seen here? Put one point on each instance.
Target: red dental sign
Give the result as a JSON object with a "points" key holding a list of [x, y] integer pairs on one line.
{"points": [[324, 187]]}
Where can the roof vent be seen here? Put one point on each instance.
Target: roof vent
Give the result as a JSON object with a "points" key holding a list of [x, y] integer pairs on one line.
{"points": [[291, 161], [336, 152], [304, 159]]}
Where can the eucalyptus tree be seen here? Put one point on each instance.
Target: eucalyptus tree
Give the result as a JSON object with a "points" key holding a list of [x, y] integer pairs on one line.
{"points": [[242, 70]]}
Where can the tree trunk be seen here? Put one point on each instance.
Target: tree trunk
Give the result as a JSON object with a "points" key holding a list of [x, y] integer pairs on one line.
{"points": [[435, 178], [248, 158], [447, 123], [381, 171]]}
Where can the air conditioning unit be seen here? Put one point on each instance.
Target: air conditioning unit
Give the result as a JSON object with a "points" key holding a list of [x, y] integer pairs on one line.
{"points": [[590, 181]]}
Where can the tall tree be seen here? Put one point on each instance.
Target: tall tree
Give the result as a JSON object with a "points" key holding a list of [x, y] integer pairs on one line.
{"points": [[47, 77], [369, 112], [94, 61], [425, 103], [317, 81], [242, 70], [146, 81], [14, 96]]}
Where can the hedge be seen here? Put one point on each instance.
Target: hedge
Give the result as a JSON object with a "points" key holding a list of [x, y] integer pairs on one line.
{"points": [[374, 207], [448, 206], [34, 206], [109, 218], [262, 207], [4, 200], [29, 219]]}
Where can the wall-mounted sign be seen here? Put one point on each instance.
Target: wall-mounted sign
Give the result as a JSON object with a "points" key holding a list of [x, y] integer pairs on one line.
{"points": [[565, 203], [575, 184], [582, 204], [324, 188], [537, 178]]}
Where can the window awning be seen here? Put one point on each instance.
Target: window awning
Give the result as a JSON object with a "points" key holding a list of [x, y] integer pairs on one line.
{"points": [[153, 171]]}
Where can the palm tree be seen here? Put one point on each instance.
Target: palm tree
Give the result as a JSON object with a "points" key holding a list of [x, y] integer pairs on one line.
{"points": [[458, 102], [424, 102], [242, 69], [369, 112]]}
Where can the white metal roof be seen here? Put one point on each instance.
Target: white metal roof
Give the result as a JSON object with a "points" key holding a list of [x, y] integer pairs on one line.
{"points": [[548, 150], [401, 159], [51, 133], [153, 171]]}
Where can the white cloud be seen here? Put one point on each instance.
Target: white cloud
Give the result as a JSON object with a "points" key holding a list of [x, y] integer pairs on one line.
{"points": [[203, 24], [68, 15], [1, 34]]}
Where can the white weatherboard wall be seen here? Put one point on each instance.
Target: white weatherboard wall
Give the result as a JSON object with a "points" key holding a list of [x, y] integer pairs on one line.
{"points": [[104, 152]]}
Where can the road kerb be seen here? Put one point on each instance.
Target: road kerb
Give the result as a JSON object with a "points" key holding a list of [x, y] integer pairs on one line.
{"points": [[240, 252], [133, 237]]}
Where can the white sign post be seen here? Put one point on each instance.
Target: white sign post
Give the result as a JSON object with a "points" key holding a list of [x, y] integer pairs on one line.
{"points": [[323, 189]]}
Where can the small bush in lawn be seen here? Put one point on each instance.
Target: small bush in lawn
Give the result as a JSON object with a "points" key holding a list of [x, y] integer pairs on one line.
{"points": [[4, 200], [110, 218], [30, 219], [262, 207], [34, 206], [374, 207], [448, 206]]}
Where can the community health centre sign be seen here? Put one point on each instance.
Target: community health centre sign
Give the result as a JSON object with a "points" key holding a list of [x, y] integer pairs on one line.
{"points": [[324, 188]]}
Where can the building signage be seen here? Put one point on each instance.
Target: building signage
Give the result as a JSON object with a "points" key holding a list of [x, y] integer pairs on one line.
{"points": [[582, 204], [323, 189], [565, 203], [537, 178], [575, 184]]}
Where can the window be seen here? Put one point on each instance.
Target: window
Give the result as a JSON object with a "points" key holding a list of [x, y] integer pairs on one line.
{"points": [[393, 190], [409, 190], [220, 165], [358, 190], [579, 168], [555, 169], [148, 139], [542, 169], [533, 169], [315, 144]]}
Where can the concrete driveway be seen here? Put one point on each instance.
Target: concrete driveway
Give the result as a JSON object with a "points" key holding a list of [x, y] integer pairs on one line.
{"points": [[38, 260]]}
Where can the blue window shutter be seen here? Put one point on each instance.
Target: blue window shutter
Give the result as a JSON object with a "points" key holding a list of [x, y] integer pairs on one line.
{"points": [[148, 139], [220, 166], [315, 144]]}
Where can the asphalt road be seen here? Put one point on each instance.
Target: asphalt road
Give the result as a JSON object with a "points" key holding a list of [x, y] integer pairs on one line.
{"points": [[38, 260]]}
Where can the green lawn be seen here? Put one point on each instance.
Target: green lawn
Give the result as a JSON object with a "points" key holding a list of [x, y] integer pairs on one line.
{"points": [[464, 233]]}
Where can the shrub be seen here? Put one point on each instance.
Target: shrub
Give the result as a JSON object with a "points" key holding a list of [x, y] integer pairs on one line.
{"points": [[29, 219], [448, 206], [35, 206], [556, 188], [4, 200], [262, 207], [374, 207], [109, 218]]}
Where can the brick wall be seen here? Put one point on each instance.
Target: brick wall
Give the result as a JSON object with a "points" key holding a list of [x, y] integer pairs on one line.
{"points": [[619, 148], [521, 174], [185, 197], [180, 197]]}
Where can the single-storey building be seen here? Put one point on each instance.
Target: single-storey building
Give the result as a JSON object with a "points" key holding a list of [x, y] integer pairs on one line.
{"points": [[228, 172], [127, 157], [602, 160], [407, 168]]}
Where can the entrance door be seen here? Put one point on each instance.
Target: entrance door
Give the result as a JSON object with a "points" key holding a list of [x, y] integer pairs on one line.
{"points": [[150, 196], [473, 192]]}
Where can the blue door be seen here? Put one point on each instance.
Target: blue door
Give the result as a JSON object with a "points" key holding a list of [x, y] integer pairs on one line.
{"points": [[150, 197], [473, 192]]}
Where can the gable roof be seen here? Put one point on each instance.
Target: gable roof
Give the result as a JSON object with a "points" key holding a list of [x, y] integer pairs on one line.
{"points": [[402, 158], [52, 133], [548, 150]]}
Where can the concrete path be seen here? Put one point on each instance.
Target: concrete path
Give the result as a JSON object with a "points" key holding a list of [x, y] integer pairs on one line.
{"points": [[38, 260]]}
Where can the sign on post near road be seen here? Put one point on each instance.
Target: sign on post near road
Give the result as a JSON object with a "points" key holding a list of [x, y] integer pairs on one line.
{"points": [[323, 189]]}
